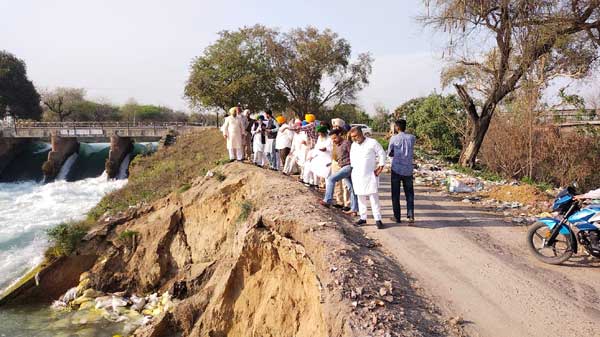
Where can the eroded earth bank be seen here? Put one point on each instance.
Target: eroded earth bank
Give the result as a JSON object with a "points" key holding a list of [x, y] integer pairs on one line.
{"points": [[246, 252]]}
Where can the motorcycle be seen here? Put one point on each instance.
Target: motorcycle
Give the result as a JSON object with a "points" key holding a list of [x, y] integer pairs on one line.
{"points": [[554, 240]]}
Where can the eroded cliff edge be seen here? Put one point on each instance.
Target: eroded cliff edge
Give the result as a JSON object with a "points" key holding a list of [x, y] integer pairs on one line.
{"points": [[247, 252]]}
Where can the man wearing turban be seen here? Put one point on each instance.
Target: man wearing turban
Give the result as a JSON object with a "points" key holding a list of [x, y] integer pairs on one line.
{"points": [[234, 132]]}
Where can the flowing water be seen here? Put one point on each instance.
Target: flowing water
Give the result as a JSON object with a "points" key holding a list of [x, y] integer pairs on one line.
{"points": [[28, 207]]}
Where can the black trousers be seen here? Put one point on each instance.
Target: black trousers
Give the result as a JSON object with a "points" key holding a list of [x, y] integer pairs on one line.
{"points": [[409, 193]]}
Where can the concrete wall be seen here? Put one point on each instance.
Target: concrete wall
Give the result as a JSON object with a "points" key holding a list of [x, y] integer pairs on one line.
{"points": [[9, 149], [62, 148], [119, 148]]}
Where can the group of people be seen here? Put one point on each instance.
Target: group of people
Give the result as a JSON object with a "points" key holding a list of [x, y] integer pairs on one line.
{"points": [[331, 154]]}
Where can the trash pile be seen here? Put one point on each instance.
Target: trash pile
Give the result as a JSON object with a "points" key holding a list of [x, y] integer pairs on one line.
{"points": [[519, 203], [95, 305]]}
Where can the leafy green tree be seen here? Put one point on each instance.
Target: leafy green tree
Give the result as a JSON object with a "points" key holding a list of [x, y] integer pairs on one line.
{"points": [[132, 111], [93, 111], [16, 90], [382, 119], [306, 70], [350, 113], [437, 121], [313, 68], [235, 69]]}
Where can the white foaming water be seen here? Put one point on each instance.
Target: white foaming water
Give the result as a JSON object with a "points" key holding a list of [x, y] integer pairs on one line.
{"points": [[27, 209], [66, 167]]}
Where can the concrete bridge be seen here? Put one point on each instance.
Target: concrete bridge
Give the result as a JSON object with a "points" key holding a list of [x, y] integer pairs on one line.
{"points": [[90, 132], [66, 136]]}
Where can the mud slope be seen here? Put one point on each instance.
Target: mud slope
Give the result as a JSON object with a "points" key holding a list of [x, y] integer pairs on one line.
{"points": [[247, 253]]}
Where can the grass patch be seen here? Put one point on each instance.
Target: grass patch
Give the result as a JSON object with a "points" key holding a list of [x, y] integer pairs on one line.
{"points": [[128, 235], [220, 176], [65, 238], [246, 208], [543, 186], [184, 188], [483, 173], [170, 169], [385, 143]]}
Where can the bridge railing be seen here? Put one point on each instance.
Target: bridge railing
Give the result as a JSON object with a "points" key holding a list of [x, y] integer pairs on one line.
{"points": [[66, 125], [32, 129]]}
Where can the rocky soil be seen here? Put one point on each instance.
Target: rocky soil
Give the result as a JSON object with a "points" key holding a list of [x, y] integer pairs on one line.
{"points": [[247, 252]]}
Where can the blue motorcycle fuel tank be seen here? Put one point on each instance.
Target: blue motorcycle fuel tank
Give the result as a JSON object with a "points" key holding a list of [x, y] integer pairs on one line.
{"points": [[584, 214]]}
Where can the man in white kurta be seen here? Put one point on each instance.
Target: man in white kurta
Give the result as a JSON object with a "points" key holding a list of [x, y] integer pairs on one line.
{"points": [[367, 159], [233, 131]]}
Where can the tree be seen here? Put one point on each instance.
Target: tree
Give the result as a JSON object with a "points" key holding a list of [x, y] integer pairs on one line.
{"points": [[132, 111], [349, 112], [16, 90], [306, 60], [63, 102], [305, 70], [560, 37], [381, 120], [235, 69], [437, 121]]}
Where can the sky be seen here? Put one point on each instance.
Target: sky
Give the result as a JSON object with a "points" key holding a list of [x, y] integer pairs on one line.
{"points": [[142, 49]]}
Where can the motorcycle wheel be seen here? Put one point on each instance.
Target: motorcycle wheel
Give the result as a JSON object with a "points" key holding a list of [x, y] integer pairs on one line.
{"points": [[561, 251]]}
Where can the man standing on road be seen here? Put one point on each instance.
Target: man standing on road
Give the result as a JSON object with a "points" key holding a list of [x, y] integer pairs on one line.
{"points": [[401, 150], [367, 159]]}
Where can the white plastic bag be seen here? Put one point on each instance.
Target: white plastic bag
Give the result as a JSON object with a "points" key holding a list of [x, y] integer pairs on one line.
{"points": [[456, 185]]}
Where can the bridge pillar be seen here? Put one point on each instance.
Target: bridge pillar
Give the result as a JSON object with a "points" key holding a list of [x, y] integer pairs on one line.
{"points": [[119, 148], [62, 148], [9, 149]]}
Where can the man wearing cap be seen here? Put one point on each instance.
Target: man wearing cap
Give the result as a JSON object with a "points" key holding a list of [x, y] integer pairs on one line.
{"points": [[367, 159]]}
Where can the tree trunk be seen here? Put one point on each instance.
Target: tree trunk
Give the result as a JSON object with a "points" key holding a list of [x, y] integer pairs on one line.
{"points": [[479, 129]]}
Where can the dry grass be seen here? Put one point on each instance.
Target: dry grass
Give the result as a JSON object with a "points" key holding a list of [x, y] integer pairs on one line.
{"points": [[542, 154]]}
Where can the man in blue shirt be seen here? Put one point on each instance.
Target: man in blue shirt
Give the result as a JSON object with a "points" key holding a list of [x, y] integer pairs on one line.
{"points": [[401, 150]]}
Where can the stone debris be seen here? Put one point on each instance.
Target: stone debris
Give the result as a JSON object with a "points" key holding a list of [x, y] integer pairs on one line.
{"points": [[93, 305]]}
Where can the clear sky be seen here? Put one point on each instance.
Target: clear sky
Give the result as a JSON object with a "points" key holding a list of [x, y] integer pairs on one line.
{"points": [[142, 49]]}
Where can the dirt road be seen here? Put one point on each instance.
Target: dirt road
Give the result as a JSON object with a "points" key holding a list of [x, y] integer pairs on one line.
{"points": [[476, 266]]}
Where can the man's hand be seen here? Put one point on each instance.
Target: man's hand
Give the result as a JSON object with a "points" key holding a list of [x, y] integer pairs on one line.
{"points": [[378, 171], [579, 197], [328, 164]]}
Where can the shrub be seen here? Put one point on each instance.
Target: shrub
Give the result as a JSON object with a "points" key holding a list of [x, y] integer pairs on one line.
{"points": [[541, 154], [246, 207], [65, 237]]}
